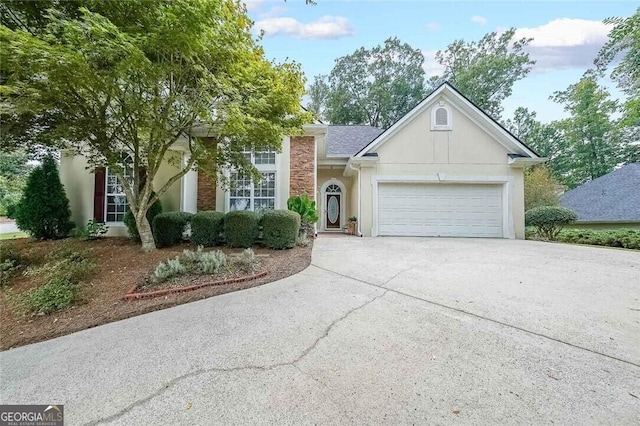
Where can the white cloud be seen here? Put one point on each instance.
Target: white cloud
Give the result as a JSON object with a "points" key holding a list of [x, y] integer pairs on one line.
{"points": [[480, 20], [432, 27], [253, 5], [565, 43], [275, 11], [325, 27], [431, 66]]}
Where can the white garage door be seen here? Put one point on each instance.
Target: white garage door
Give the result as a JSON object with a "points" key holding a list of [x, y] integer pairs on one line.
{"points": [[441, 210]]}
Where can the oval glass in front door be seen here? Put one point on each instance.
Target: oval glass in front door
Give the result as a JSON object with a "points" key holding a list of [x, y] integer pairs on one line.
{"points": [[333, 211]]}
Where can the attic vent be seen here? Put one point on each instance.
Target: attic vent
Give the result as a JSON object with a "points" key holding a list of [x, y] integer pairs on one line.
{"points": [[441, 117]]}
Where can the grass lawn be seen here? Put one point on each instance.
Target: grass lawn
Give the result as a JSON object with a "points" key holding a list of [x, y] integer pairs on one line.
{"points": [[13, 235], [119, 266]]}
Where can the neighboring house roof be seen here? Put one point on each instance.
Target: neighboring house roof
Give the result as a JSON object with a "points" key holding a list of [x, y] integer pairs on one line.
{"points": [[485, 121], [612, 197], [345, 141]]}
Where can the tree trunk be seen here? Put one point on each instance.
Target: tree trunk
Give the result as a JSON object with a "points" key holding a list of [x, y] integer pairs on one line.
{"points": [[144, 229]]}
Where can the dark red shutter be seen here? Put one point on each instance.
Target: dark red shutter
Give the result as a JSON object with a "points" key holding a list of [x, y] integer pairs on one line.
{"points": [[98, 194], [142, 177]]}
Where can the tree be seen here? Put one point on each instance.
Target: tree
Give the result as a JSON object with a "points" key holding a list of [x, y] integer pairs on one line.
{"points": [[545, 139], [540, 187], [122, 82], [485, 71], [318, 92], [371, 86], [592, 140], [43, 210], [624, 39], [14, 170]]}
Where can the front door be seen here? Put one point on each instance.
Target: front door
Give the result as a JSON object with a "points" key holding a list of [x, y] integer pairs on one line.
{"points": [[332, 212]]}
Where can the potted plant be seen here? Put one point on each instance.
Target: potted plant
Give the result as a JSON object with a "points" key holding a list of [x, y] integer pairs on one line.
{"points": [[352, 225]]}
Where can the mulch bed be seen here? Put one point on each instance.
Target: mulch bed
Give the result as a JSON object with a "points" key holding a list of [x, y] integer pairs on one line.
{"points": [[121, 266]]}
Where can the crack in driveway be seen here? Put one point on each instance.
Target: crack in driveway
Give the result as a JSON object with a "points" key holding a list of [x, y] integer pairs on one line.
{"points": [[462, 311], [267, 367]]}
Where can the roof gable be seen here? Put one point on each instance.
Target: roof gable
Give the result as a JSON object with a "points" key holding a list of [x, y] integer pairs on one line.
{"points": [[612, 197], [468, 108]]}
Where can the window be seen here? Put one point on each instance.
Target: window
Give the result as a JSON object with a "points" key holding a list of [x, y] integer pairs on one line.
{"points": [[257, 196], [115, 198], [246, 195], [441, 117], [333, 188]]}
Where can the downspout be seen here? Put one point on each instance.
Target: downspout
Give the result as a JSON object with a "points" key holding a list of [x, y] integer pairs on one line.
{"points": [[359, 200]]}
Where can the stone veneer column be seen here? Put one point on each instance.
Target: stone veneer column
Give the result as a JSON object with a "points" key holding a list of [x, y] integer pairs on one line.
{"points": [[206, 192], [302, 167]]}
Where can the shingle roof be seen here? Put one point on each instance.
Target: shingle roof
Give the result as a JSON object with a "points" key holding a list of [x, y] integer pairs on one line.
{"points": [[612, 197], [348, 140]]}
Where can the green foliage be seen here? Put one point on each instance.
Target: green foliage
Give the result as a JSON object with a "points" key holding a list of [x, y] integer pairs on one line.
{"points": [[130, 221], [93, 230], [11, 258], [169, 227], [248, 261], [485, 71], [43, 210], [241, 228], [54, 295], [623, 48], [191, 262], [305, 207], [625, 238], [63, 272], [206, 228], [540, 187], [592, 142], [371, 86], [161, 67], [280, 228], [14, 170], [549, 220], [11, 210]]}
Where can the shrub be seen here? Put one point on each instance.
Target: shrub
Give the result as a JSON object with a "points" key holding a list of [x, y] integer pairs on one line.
{"points": [[306, 208], [54, 295], [194, 262], [248, 261], [206, 228], [169, 227], [625, 238], [11, 210], [280, 228], [130, 221], [93, 230], [549, 220], [241, 228], [43, 210]]}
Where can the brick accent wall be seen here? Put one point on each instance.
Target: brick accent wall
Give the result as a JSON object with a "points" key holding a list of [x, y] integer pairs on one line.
{"points": [[302, 175], [206, 192]]}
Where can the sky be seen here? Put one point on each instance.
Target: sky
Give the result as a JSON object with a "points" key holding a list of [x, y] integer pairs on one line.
{"points": [[567, 35]]}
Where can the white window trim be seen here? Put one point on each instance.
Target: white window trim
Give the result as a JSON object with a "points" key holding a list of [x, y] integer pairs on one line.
{"points": [[106, 198], [435, 108], [262, 168]]}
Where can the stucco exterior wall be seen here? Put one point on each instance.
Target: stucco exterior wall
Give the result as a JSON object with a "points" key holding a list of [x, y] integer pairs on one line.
{"points": [[466, 152], [79, 185]]}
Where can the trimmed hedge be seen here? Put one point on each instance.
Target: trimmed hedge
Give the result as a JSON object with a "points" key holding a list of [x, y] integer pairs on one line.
{"points": [[241, 228], [130, 221], [169, 227], [549, 220], [280, 228], [206, 228], [625, 238]]}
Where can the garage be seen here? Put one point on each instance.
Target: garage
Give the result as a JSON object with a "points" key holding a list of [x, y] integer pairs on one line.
{"points": [[440, 210]]}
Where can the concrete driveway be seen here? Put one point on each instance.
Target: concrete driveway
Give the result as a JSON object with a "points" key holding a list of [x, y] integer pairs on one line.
{"points": [[376, 331]]}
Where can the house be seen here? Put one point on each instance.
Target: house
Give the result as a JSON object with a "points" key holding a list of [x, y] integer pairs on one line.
{"points": [[608, 202], [444, 169]]}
